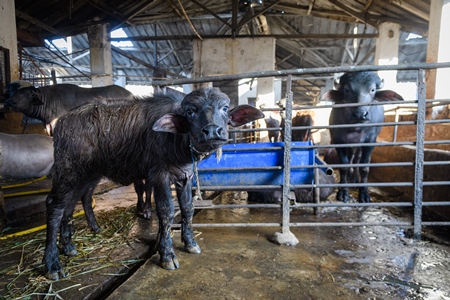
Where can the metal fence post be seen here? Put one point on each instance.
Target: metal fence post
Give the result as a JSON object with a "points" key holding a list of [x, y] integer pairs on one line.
{"points": [[286, 236], [420, 139]]}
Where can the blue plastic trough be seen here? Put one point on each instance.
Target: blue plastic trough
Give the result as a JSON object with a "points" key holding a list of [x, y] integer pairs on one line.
{"points": [[255, 164]]}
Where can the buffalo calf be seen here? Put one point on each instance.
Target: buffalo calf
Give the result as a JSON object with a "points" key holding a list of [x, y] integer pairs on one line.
{"points": [[361, 88], [156, 139]]}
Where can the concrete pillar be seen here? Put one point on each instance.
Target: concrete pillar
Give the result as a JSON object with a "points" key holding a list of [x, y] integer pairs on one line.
{"points": [[434, 29], [8, 35], [226, 56], [100, 51], [386, 52], [437, 51], [443, 75]]}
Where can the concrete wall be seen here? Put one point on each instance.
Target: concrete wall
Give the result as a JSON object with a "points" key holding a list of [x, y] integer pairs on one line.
{"points": [[12, 123]]}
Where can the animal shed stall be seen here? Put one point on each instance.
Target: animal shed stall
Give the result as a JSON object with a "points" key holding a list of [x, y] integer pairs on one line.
{"points": [[247, 174]]}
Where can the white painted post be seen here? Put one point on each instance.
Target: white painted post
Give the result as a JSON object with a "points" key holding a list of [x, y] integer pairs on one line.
{"points": [[100, 52]]}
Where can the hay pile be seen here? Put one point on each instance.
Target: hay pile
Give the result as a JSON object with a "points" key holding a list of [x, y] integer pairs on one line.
{"points": [[21, 269]]}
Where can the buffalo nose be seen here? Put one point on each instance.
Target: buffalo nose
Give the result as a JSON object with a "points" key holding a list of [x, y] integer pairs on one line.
{"points": [[361, 115], [212, 131]]}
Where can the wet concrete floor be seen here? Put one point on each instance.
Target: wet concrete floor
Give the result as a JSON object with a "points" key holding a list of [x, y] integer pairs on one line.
{"points": [[242, 263], [327, 263]]}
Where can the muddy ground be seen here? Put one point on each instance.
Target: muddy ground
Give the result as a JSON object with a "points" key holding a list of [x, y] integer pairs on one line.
{"points": [[357, 262]]}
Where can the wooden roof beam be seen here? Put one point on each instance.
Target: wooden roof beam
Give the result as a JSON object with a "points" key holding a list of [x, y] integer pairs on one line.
{"points": [[353, 13], [38, 23]]}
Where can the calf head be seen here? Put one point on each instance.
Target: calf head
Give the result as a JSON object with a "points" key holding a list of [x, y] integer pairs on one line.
{"points": [[205, 115], [359, 88]]}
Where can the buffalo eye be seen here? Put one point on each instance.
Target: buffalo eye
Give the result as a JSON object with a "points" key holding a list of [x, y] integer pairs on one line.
{"points": [[190, 113], [346, 90], [225, 108]]}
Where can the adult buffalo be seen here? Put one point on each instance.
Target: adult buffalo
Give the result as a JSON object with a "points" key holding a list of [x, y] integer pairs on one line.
{"points": [[302, 195], [48, 103], [25, 155], [157, 138], [274, 135], [361, 88]]}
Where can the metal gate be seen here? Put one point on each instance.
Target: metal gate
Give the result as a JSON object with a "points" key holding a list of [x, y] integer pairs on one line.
{"points": [[419, 107]]}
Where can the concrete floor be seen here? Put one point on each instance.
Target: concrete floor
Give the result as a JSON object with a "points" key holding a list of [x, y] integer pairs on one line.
{"points": [[328, 262], [241, 263]]}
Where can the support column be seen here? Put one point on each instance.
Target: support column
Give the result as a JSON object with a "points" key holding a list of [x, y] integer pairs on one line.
{"points": [[386, 52], [442, 76], [227, 56], [8, 35], [100, 51]]}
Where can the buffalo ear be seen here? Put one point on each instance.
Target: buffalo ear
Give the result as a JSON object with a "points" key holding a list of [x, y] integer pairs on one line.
{"points": [[243, 114], [387, 95], [172, 123], [36, 97], [334, 96]]}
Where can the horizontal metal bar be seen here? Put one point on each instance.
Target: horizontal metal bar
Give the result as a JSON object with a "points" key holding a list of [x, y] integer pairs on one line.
{"points": [[437, 121], [231, 206], [431, 183], [383, 204], [400, 123], [436, 142], [436, 163], [435, 223], [379, 144], [400, 103], [337, 166], [240, 187], [353, 185], [230, 225], [435, 203], [301, 71], [240, 169], [337, 224]]}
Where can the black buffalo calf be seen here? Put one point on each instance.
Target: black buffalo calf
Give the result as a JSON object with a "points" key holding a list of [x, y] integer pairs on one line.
{"points": [[155, 139], [361, 88]]}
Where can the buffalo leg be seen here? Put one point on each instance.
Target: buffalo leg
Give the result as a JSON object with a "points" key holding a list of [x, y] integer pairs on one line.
{"points": [[67, 229], [143, 208], [342, 194], [184, 195], [55, 210], [363, 195], [86, 200], [165, 213]]}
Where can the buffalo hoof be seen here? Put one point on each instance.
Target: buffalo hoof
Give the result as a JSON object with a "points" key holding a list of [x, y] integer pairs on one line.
{"points": [[145, 214], [342, 195], [55, 275], [171, 264], [96, 229], [195, 249], [72, 252], [364, 198]]}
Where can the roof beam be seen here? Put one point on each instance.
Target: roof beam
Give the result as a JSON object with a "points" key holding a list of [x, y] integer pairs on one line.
{"points": [[211, 12], [140, 61], [39, 23], [353, 13], [298, 36]]}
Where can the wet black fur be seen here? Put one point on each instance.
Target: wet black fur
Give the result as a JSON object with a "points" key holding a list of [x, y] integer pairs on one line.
{"points": [[116, 140]]}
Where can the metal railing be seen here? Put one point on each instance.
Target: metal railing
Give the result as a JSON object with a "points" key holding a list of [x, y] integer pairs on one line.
{"points": [[418, 107]]}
